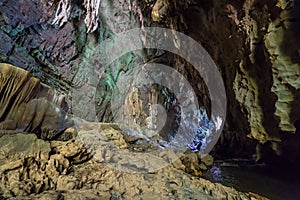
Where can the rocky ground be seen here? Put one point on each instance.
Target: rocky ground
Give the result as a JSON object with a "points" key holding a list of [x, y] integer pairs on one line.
{"points": [[31, 168]]}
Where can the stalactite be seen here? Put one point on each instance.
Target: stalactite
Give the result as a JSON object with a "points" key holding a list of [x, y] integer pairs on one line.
{"points": [[63, 12], [91, 18]]}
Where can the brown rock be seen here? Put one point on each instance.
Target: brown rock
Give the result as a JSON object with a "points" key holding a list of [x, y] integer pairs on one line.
{"points": [[28, 106], [73, 150], [207, 160], [191, 163], [27, 175]]}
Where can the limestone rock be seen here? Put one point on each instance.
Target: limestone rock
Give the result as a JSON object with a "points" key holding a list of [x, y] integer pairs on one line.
{"points": [[207, 160], [256, 47], [254, 43], [159, 10], [191, 163], [72, 150], [282, 44], [23, 160], [14, 147], [28, 106], [38, 169], [31, 165]]}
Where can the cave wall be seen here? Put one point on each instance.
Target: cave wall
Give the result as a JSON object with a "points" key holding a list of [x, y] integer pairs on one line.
{"points": [[254, 44]]}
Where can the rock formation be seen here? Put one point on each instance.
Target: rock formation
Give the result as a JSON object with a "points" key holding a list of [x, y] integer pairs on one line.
{"points": [[254, 44], [31, 168], [98, 163], [26, 105]]}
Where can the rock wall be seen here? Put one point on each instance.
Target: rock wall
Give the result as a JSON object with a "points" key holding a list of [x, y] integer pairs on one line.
{"points": [[254, 44]]}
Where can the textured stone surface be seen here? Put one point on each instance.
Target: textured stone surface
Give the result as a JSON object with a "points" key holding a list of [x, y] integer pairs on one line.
{"points": [[29, 165], [20, 145], [283, 47], [28, 106], [254, 44], [133, 152], [39, 169], [30, 42], [255, 47]]}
